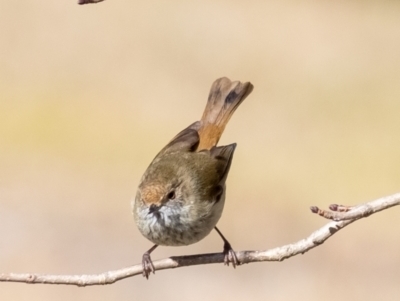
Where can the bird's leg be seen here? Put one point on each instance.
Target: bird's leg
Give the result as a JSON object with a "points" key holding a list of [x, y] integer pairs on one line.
{"points": [[147, 264], [229, 254]]}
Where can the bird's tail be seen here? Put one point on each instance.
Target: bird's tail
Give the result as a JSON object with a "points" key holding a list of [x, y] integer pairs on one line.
{"points": [[224, 98]]}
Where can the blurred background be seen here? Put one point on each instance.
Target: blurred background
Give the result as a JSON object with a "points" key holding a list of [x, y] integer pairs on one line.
{"points": [[89, 94]]}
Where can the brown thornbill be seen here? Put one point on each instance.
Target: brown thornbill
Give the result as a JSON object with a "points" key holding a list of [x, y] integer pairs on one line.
{"points": [[182, 193]]}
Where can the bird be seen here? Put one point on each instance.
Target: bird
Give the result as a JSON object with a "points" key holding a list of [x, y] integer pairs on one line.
{"points": [[181, 195]]}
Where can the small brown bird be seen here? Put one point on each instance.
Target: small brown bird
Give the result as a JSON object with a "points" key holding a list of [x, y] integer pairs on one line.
{"points": [[182, 193]]}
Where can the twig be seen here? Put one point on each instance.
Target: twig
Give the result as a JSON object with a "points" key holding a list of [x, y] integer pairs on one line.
{"points": [[277, 254], [341, 212], [80, 2]]}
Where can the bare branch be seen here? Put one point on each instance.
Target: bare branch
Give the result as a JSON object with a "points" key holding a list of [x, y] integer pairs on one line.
{"points": [[277, 254]]}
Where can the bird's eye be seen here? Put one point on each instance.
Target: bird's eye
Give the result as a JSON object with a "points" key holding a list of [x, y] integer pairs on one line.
{"points": [[171, 195]]}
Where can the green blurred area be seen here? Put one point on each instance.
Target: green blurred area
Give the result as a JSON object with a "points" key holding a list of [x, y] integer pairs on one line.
{"points": [[89, 94]]}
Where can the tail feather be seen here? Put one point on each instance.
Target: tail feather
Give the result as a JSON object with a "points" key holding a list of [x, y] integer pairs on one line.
{"points": [[224, 98]]}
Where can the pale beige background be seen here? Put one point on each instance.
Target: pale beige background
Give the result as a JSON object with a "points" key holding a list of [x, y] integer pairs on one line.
{"points": [[89, 94]]}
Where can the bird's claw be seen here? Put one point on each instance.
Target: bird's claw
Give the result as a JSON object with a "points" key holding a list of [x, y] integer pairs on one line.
{"points": [[230, 256], [147, 265]]}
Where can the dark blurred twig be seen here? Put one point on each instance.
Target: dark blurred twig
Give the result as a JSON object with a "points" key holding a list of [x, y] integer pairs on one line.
{"points": [[80, 2], [278, 254]]}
